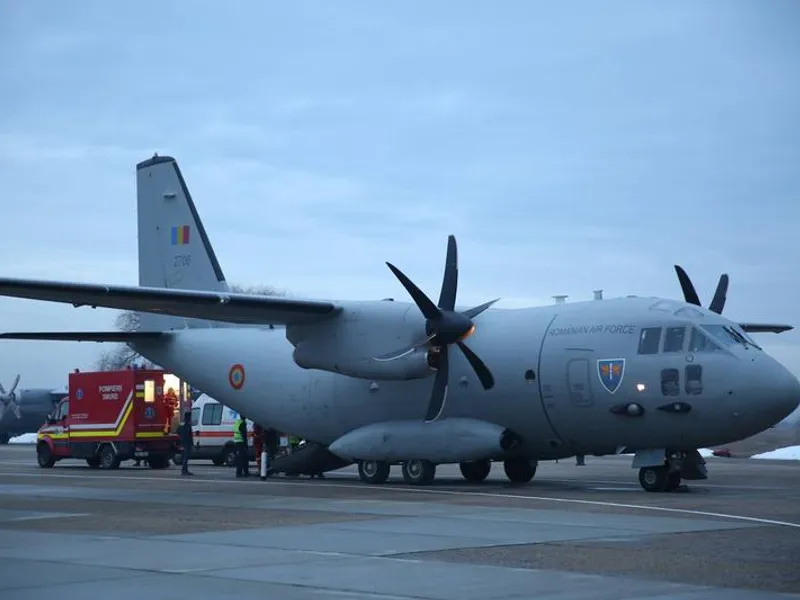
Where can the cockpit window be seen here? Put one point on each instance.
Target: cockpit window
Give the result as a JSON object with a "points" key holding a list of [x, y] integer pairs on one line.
{"points": [[649, 339], [673, 341], [688, 311], [728, 335], [700, 342]]}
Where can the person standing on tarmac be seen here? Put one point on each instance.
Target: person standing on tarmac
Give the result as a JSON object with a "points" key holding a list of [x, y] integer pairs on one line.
{"points": [[240, 441], [187, 441]]}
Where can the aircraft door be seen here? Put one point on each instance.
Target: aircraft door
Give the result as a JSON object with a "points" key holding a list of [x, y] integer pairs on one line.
{"points": [[579, 386], [575, 399]]}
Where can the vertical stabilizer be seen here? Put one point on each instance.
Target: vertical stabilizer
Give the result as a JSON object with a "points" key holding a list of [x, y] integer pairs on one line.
{"points": [[174, 249]]}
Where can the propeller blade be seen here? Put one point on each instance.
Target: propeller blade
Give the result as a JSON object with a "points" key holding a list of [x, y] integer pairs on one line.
{"points": [[2, 410], [689, 293], [447, 297], [15, 409], [394, 355], [14, 385], [718, 302], [481, 370], [439, 391], [475, 311], [425, 304]]}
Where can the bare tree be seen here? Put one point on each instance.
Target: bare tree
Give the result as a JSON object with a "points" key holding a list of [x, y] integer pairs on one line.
{"points": [[121, 356]]}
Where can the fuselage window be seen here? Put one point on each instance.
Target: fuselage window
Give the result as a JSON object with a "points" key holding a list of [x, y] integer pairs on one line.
{"points": [[673, 340], [699, 342], [694, 380], [670, 382]]}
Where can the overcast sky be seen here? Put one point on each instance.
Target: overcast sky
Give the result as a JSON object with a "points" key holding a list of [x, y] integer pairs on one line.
{"points": [[569, 148]]}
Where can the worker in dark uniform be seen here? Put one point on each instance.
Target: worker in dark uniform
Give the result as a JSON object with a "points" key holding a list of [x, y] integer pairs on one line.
{"points": [[240, 440], [187, 441]]}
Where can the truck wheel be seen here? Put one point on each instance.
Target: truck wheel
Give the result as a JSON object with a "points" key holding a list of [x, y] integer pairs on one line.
{"points": [[44, 456], [108, 457], [93, 462]]}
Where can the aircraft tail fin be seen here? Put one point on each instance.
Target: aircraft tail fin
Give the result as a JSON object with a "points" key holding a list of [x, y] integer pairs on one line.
{"points": [[174, 249]]}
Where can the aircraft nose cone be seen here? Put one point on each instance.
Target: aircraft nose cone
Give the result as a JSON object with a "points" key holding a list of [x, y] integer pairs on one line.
{"points": [[783, 392]]}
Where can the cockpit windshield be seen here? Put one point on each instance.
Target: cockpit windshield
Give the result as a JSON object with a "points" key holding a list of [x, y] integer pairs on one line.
{"points": [[700, 342], [729, 336]]}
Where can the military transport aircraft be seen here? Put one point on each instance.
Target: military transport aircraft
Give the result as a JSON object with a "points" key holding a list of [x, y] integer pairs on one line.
{"points": [[380, 383], [24, 410]]}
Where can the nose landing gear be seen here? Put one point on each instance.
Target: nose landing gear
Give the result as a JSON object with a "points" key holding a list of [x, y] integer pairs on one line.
{"points": [[662, 471]]}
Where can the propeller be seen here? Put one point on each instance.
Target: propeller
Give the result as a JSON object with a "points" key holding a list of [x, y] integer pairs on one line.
{"points": [[9, 399], [690, 294], [444, 326]]}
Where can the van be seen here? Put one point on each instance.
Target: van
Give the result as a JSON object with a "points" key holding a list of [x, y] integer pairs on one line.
{"points": [[212, 432]]}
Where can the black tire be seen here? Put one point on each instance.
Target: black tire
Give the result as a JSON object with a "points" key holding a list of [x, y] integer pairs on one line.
{"points": [[374, 471], [44, 456], [177, 458], [218, 461], [93, 462], [520, 470], [419, 472], [476, 471], [654, 479], [108, 457]]}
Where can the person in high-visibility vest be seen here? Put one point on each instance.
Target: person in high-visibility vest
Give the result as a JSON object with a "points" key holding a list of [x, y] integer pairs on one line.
{"points": [[240, 441]]}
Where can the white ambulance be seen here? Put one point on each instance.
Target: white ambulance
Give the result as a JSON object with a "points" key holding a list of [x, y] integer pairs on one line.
{"points": [[212, 433]]}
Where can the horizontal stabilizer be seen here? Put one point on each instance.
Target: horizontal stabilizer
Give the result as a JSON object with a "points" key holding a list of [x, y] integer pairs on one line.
{"points": [[212, 306], [83, 336], [765, 327]]}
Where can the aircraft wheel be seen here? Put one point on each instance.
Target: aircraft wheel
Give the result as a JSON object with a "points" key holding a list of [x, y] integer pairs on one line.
{"points": [[476, 471], [520, 470], [108, 457], [373, 471], [419, 472], [44, 456], [654, 479]]}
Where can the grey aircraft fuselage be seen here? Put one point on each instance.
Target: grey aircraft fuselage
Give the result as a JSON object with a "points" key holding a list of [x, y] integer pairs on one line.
{"points": [[549, 387]]}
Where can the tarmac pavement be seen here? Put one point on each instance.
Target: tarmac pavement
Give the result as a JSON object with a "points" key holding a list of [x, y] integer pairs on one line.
{"points": [[574, 532]]}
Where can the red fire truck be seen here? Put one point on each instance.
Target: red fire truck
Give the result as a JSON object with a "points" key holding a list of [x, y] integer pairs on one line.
{"points": [[112, 416]]}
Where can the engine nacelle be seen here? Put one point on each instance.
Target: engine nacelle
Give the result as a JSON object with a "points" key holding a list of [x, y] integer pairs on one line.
{"points": [[414, 365]]}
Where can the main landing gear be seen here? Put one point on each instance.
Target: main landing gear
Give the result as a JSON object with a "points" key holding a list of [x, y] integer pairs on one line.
{"points": [[423, 472]]}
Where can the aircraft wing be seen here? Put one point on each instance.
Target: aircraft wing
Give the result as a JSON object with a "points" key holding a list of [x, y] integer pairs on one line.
{"points": [[765, 327], [214, 306]]}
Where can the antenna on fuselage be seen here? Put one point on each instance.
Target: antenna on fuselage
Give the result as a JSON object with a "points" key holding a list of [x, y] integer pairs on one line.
{"points": [[560, 299]]}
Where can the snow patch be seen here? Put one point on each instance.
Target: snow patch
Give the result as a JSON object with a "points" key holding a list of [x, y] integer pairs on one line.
{"points": [[787, 453], [25, 438]]}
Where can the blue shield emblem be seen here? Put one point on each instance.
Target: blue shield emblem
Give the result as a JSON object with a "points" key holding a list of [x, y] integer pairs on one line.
{"points": [[610, 371], [149, 412]]}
